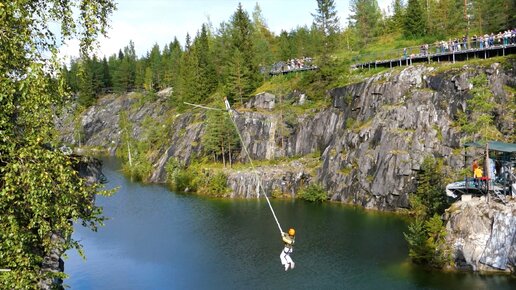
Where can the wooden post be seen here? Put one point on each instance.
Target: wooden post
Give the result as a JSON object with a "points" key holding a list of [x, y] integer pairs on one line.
{"points": [[486, 167], [128, 149]]}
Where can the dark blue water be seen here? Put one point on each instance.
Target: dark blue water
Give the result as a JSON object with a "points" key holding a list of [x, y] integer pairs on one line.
{"points": [[156, 239]]}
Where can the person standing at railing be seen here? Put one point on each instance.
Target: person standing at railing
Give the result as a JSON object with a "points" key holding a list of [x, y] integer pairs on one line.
{"points": [[465, 42]]}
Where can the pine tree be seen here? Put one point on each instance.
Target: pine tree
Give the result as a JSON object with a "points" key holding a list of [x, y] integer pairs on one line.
{"points": [[172, 65], [262, 38], [243, 68], [286, 46], [414, 24], [220, 139], [491, 16], [395, 22], [327, 21], [364, 18], [238, 85], [187, 89], [107, 83], [207, 75], [156, 69]]}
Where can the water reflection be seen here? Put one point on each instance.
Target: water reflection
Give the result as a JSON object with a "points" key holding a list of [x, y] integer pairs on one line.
{"points": [[156, 239]]}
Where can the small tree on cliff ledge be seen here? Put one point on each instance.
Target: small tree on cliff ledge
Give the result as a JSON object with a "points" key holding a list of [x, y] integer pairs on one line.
{"points": [[426, 233], [40, 192]]}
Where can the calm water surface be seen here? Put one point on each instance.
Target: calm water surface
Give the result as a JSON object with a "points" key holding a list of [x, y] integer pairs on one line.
{"points": [[156, 239]]}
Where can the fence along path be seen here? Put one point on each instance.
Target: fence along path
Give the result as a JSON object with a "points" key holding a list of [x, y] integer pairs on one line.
{"points": [[435, 53]]}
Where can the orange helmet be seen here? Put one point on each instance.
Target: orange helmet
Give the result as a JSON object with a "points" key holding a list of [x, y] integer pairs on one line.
{"points": [[291, 232]]}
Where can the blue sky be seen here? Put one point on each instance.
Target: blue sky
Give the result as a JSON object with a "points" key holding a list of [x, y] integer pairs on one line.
{"points": [[158, 21]]}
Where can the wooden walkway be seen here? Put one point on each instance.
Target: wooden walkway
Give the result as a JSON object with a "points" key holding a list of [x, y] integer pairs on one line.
{"points": [[452, 56]]}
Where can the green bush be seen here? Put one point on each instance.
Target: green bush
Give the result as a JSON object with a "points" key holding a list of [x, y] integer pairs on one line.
{"points": [[215, 185], [427, 242], [426, 233], [184, 180], [313, 193]]}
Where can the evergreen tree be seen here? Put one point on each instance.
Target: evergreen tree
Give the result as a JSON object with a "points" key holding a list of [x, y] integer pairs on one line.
{"points": [[430, 187], [221, 138], [155, 66], [327, 21], [243, 67], [107, 83], [493, 15], [446, 18], [125, 75], [172, 65], [90, 80], [414, 24], [286, 46], [238, 85], [187, 91], [395, 22], [263, 39], [364, 18], [72, 76], [207, 75]]}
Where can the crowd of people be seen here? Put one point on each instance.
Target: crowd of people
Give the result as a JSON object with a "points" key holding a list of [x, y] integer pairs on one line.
{"points": [[502, 38], [293, 64]]}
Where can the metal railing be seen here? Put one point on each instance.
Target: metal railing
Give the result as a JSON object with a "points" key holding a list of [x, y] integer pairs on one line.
{"points": [[438, 48]]}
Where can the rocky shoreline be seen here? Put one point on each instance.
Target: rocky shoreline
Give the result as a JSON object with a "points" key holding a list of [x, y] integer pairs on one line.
{"points": [[369, 145], [482, 235]]}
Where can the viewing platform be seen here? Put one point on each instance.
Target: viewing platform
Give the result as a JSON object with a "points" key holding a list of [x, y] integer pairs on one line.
{"points": [[387, 59]]}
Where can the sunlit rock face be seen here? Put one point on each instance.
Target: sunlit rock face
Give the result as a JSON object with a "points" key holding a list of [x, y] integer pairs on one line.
{"points": [[482, 235], [370, 139]]}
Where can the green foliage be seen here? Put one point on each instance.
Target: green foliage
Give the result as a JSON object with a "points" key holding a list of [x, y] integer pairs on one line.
{"points": [[221, 138], [416, 239], [427, 242], [313, 193], [436, 232], [426, 233], [327, 22], [430, 188], [493, 15], [41, 194], [214, 184], [479, 118], [414, 24], [364, 18], [196, 179]]}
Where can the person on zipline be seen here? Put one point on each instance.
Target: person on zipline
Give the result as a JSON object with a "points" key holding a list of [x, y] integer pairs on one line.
{"points": [[288, 239]]}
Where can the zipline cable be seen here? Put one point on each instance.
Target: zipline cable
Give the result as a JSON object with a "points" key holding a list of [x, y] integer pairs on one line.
{"points": [[252, 166], [260, 186]]}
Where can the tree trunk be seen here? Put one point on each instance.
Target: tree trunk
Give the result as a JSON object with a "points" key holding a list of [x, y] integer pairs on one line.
{"points": [[223, 155], [230, 157]]}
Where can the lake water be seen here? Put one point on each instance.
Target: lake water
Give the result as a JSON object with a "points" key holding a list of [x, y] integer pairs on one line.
{"points": [[157, 239]]}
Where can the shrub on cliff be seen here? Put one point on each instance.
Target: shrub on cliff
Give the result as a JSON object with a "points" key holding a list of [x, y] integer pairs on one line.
{"points": [[181, 178], [426, 233], [215, 184], [314, 193]]}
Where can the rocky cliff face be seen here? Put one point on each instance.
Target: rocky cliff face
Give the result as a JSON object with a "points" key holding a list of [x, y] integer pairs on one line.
{"points": [[482, 235], [371, 140]]}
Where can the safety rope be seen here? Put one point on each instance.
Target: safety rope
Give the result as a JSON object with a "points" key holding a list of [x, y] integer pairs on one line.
{"points": [[228, 110], [228, 107]]}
